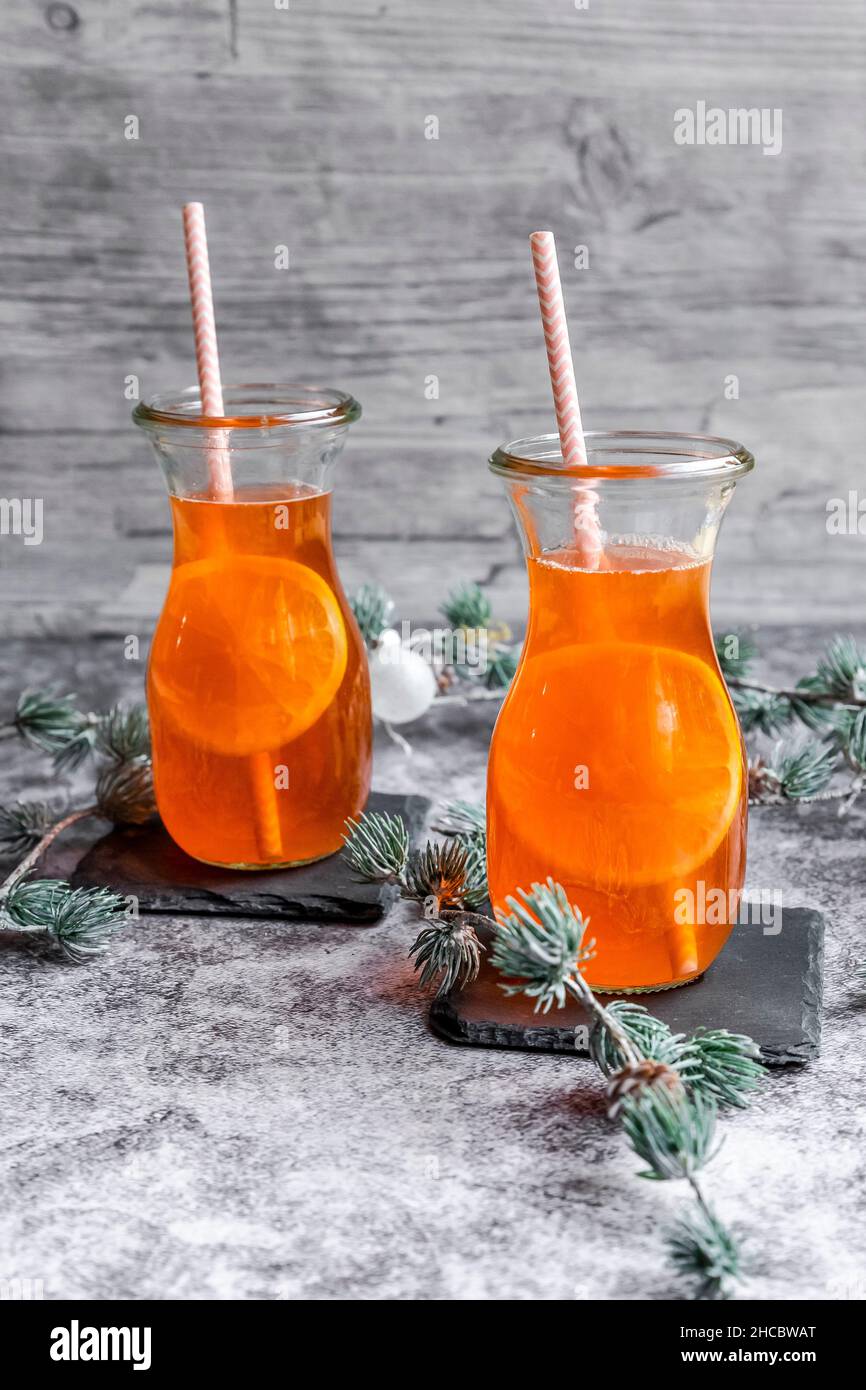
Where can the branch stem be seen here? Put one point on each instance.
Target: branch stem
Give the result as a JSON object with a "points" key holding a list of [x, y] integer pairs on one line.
{"points": [[805, 697], [581, 991], [21, 870]]}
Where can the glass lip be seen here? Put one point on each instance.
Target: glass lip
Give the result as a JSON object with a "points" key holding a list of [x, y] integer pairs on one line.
{"points": [[666, 454], [281, 404]]}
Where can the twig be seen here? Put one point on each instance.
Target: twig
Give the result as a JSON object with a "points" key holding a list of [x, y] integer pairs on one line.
{"points": [[805, 697], [21, 870]]}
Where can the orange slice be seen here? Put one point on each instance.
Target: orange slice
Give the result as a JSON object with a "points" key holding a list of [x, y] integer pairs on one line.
{"points": [[249, 651], [660, 744]]}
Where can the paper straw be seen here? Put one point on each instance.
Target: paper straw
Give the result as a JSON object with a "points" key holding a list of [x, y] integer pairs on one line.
{"points": [[220, 476], [587, 529], [207, 356]]}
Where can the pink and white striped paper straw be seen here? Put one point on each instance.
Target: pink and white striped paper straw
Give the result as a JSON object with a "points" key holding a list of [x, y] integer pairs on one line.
{"points": [[207, 360], [587, 528], [207, 356]]}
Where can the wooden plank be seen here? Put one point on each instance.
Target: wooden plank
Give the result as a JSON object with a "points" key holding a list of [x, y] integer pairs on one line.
{"points": [[408, 260], [118, 33], [530, 45]]}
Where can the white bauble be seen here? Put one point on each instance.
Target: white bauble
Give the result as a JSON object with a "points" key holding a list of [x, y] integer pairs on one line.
{"points": [[402, 682]]}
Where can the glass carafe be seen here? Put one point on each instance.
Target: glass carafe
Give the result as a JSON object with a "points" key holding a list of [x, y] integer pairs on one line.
{"points": [[617, 765], [258, 686]]}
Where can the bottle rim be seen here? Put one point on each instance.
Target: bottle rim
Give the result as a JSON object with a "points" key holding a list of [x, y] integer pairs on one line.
{"points": [[251, 406], [626, 455]]}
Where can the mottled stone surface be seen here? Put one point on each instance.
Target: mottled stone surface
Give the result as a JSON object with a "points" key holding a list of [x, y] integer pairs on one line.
{"points": [[243, 1109]]}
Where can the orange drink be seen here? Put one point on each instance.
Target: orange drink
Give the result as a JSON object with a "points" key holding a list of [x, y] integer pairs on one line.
{"points": [[257, 669], [617, 765], [258, 685]]}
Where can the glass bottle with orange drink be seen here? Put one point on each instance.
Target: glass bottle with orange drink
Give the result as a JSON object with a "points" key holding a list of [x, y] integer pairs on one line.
{"points": [[617, 764], [258, 687]]}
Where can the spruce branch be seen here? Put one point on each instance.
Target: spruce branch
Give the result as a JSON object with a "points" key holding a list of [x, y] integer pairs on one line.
{"points": [[648, 1036], [735, 652], [124, 792], [721, 1066], [39, 845], [673, 1133], [840, 674], [797, 770], [502, 666], [539, 948], [373, 609], [761, 711], [80, 920], [437, 873], [463, 818], [52, 723], [123, 733], [475, 890], [664, 1088], [377, 847], [23, 825], [467, 606], [701, 1247], [447, 946], [854, 742]]}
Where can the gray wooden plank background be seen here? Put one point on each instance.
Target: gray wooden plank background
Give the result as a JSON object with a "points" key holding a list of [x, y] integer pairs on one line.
{"points": [[305, 126]]}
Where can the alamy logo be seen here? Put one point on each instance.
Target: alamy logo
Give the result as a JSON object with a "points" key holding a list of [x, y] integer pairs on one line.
{"points": [[739, 125], [76, 1343], [22, 516], [715, 907]]}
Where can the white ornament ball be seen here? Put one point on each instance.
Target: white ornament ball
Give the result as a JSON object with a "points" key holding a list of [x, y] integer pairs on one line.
{"points": [[401, 681]]}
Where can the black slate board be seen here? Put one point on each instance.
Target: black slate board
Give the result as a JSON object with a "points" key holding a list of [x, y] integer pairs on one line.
{"points": [[145, 862], [769, 987]]}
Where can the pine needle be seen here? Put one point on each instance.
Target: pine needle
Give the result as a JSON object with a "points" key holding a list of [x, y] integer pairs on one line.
{"points": [[373, 609], [539, 945], [702, 1248], [449, 948], [80, 920], [23, 825], [467, 606], [377, 847]]}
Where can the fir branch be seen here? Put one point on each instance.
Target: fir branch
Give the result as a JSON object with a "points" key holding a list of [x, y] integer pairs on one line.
{"points": [[539, 945], [467, 606], [23, 825], [124, 792], [839, 675], [438, 874], [53, 724], [761, 711], [377, 847], [123, 733], [475, 890], [795, 771], [373, 610], [502, 666], [667, 1101], [723, 1067], [673, 1134], [447, 946], [735, 652], [702, 1248], [463, 817], [80, 920], [649, 1037], [39, 846], [854, 742]]}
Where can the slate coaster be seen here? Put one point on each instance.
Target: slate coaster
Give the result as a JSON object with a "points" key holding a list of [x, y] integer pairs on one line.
{"points": [[769, 987], [145, 861]]}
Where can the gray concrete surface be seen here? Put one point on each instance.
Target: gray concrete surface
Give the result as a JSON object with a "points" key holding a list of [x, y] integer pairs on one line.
{"points": [[237, 1110]]}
